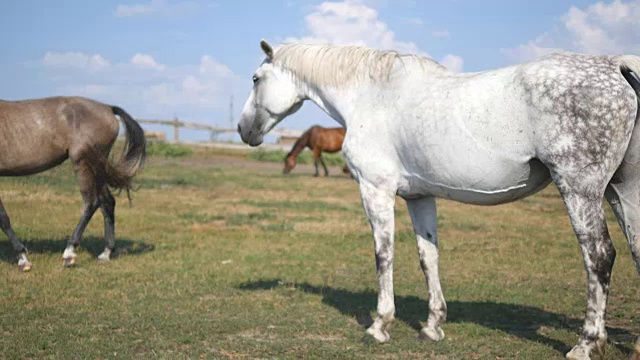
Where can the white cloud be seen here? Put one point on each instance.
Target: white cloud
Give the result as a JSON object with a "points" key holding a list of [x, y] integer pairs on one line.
{"points": [[352, 22], [192, 92], [453, 63], [601, 28], [531, 50], [146, 61], [74, 60], [208, 66], [159, 7]]}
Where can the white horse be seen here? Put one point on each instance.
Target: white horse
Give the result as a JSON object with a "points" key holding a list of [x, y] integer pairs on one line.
{"points": [[418, 131]]}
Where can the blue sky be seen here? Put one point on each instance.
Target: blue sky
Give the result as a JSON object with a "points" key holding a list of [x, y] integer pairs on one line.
{"points": [[185, 58]]}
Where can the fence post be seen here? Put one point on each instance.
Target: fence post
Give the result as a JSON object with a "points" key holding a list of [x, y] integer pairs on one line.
{"points": [[176, 130]]}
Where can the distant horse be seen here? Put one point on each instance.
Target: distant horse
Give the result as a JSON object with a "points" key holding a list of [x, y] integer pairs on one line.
{"points": [[419, 131], [319, 140], [36, 135]]}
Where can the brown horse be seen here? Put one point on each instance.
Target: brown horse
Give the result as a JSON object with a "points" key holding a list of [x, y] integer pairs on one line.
{"points": [[36, 135], [318, 139]]}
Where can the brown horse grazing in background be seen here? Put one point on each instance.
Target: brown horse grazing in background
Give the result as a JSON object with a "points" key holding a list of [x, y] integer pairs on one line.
{"points": [[318, 139], [36, 135]]}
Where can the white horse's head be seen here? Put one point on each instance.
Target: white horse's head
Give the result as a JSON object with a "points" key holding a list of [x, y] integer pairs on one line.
{"points": [[274, 96]]}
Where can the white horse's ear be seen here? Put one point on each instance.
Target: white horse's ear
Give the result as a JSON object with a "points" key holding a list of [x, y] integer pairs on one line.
{"points": [[268, 50]]}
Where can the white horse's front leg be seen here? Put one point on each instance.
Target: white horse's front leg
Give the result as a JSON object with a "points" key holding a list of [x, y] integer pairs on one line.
{"points": [[424, 217], [378, 204]]}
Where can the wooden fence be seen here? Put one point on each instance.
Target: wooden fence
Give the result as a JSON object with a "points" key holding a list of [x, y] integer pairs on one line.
{"points": [[177, 124], [213, 130]]}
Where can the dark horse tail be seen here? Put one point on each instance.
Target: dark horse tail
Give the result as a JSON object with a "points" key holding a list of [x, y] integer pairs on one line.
{"points": [[630, 68], [119, 173]]}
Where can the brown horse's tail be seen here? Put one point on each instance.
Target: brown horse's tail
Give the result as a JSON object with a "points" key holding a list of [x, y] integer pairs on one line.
{"points": [[119, 173]]}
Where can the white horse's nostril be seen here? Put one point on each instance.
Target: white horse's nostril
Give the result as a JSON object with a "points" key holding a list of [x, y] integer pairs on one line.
{"points": [[239, 129]]}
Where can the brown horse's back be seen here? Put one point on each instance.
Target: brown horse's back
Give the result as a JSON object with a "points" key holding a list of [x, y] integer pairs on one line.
{"points": [[327, 139], [36, 135]]}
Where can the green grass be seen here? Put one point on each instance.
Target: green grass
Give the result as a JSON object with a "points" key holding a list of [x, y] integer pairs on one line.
{"points": [[163, 149], [222, 258], [305, 157]]}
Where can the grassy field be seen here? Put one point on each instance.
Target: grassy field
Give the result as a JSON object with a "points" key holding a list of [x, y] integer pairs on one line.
{"points": [[222, 257], [305, 157]]}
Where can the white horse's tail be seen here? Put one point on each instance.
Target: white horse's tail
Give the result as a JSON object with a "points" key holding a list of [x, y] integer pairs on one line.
{"points": [[623, 195]]}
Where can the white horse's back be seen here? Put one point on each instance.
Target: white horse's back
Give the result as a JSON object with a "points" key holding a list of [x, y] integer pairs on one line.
{"points": [[478, 138]]}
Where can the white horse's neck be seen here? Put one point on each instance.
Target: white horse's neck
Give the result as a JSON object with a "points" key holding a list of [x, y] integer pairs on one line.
{"points": [[332, 101], [342, 102]]}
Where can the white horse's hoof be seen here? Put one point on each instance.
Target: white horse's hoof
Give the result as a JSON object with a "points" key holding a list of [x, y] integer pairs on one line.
{"points": [[23, 264], [379, 336], [105, 256], [69, 256], [70, 261], [433, 334], [578, 353]]}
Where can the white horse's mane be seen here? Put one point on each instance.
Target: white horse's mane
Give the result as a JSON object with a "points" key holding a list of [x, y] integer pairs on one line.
{"points": [[338, 66]]}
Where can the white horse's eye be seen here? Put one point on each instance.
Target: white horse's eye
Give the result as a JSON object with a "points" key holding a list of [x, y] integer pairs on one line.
{"points": [[255, 79]]}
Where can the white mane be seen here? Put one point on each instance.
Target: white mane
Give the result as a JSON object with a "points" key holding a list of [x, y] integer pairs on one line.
{"points": [[338, 66]]}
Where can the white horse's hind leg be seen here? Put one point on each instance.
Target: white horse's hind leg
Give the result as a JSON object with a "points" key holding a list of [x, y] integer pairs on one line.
{"points": [[623, 194], [625, 202], [378, 205], [424, 217], [624, 198], [587, 218]]}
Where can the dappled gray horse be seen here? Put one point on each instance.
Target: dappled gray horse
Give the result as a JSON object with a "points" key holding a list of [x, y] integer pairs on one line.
{"points": [[36, 135], [419, 131]]}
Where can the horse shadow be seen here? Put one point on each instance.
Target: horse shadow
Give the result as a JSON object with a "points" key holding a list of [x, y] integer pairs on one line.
{"points": [[92, 244], [521, 321]]}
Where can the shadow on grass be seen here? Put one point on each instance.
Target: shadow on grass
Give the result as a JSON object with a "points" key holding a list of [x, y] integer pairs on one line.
{"points": [[94, 245], [517, 320]]}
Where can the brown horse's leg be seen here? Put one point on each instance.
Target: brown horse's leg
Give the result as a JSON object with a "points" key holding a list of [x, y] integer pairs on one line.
{"points": [[18, 246], [326, 171], [108, 206], [316, 157], [88, 188]]}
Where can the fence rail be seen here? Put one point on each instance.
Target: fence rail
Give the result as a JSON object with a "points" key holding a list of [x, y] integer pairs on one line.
{"points": [[213, 130], [177, 124]]}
